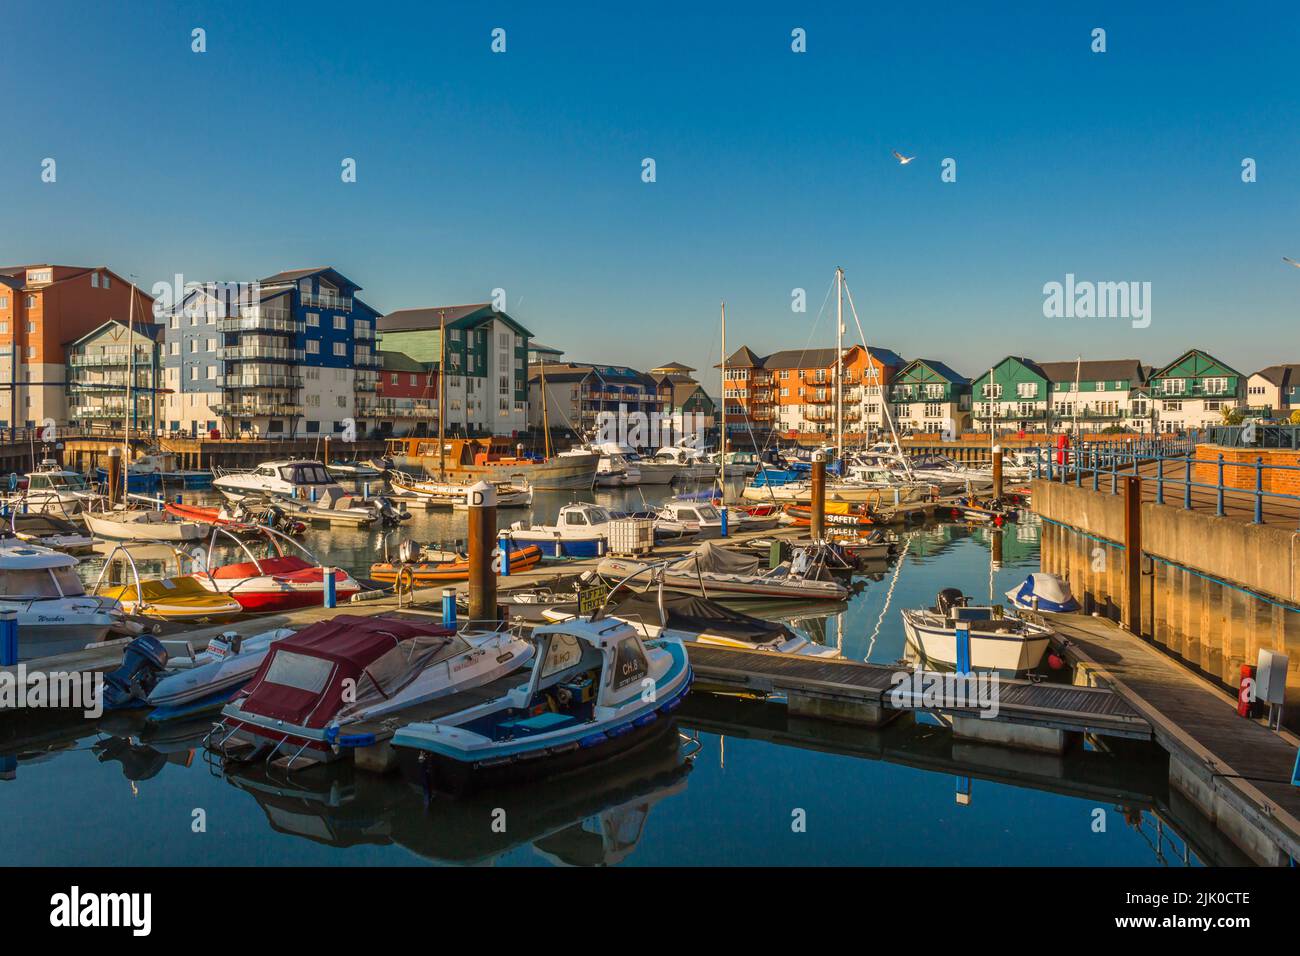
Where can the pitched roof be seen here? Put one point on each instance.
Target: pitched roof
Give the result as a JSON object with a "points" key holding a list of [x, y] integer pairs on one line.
{"points": [[401, 362], [682, 391], [743, 357], [1101, 370], [547, 349], [672, 367], [944, 370], [1281, 375], [456, 316]]}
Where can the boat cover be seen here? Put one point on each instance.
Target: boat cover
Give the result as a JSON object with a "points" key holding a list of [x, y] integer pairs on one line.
{"points": [[689, 612], [716, 560], [306, 677]]}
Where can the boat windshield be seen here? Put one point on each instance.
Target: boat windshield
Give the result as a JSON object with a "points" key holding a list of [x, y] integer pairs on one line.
{"points": [[29, 585], [57, 481], [598, 515], [309, 474], [707, 512]]}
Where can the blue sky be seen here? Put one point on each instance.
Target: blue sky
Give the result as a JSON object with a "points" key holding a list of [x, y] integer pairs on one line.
{"points": [[522, 170]]}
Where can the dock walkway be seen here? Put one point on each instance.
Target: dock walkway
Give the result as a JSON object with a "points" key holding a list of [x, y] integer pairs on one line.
{"points": [[1236, 769]]}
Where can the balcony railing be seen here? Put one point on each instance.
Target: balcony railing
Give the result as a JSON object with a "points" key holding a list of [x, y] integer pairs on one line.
{"points": [[396, 408], [249, 353], [342, 303], [362, 332], [275, 320], [113, 359], [115, 383], [256, 409], [259, 381], [368, 360]]}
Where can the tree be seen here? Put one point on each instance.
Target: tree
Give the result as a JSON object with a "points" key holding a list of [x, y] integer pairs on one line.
{"points": [[1232, 416], [1295, 417]]}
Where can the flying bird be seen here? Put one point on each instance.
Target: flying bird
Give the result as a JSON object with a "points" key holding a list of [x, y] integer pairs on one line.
{"points": [[903, 160], [1292, 261]]}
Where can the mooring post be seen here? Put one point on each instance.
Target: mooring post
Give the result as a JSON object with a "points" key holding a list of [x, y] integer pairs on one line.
{"points": [[503, 544], [331, 593], [722, 520], [482, 505], [817, 521], [963, 647], [114, 474], [8, 638], [1133, 554], [997, 471], [449, 607]]}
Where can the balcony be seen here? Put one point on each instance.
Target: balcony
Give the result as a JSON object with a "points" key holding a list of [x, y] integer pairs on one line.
{"points": [[104, 410], [265, 320], [397, 407], [363, 332], [316, 300], [256, 409], [259, 381], [253, 353], [368, 359], [112, 360], [110, 383], [815, 399]]}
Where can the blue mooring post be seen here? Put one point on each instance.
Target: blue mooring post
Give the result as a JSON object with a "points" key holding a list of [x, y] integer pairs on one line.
{"points": [[1219, 506], [365, 491], [330, 595], [1187, 487], [722, 518], [1160, 479], [8, 638], [963, 647], [449, 607], [504, 544], [963, 791], [313, 494], [178, 500], [1259, 489]]}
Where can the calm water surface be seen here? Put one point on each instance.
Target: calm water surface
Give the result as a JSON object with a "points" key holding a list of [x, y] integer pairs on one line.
{"points": [[731, 788]]}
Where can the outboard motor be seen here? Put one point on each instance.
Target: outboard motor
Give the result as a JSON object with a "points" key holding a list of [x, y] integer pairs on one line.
{"points": [[143, 662], [948, 599], [407, 552]]}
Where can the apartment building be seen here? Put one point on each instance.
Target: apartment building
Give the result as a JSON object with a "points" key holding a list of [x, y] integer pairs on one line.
{"points": [[578, 394], [43, 307], [795, 390], [1194, 391], [928, 396], [101, 364], [1021, 393], [406, 398], [681, 395], [291, 355], [486, 387]]}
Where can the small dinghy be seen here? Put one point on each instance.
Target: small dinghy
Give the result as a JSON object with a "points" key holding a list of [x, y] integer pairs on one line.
{"points": [[838, 514], [280, 582], [239, 517], [140, 524], [331, 676], [1043, 592], [753, 517], [713, 571], [178, 682], [449, 568], [596, 691], [985, 511], [999, 641], [691, 618]]}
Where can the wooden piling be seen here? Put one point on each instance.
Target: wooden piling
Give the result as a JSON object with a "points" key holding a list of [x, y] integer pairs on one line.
{"points": [[114, 475], [818, 520], [997, 471], [482, 502]]}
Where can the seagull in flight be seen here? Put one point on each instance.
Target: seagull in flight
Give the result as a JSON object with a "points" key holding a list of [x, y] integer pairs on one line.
{"points": [[903, 160], [1292, 261]]}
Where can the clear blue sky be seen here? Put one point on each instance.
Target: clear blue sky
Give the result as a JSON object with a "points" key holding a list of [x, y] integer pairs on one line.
{"points": [[523, 170]]}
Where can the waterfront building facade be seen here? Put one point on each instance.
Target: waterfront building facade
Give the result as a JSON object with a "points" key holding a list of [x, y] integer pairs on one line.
{"points": [[681, 396], [579, 394], [42, 307], [1274, 392], [100, 365], [1194, 391], [928, 396], [486, 388], [406, 399], [1092, 396], [293, 357]]}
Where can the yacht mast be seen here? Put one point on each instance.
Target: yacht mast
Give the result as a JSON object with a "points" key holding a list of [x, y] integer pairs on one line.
{"points": [[442, 394], [546, 420], [839, 362], [722, 455], [128, 411]]}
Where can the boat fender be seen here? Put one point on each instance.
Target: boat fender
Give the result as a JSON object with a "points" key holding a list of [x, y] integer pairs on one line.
{"points": [[592, 740], [1055, 662], [619, 731], [645, 719]]}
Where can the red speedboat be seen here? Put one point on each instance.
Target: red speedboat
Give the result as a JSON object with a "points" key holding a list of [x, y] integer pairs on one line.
{"points": [[243, 520], [279, 582]]}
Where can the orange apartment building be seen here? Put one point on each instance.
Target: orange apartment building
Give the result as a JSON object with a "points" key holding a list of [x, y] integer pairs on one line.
{"points": [[42, 308], [794, 390]]}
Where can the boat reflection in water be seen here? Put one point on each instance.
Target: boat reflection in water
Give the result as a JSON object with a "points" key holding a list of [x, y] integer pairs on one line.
{"points": [[589, 818]]}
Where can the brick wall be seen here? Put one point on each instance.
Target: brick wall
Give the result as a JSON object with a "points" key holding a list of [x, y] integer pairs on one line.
{"points": [[1239, 468]]}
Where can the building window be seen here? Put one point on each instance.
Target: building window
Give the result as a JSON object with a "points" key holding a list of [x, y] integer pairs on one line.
{"points": [[1027, 389], [29, 302], [104, 281], [313, 347], [174, 348], [395, 378], [340, 323], [340, 349], [313, 320], [94, 280]]}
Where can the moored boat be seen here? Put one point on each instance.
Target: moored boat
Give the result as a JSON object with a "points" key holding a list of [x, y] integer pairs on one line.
{"points": [[279, 582], [448, 569], [469, 460], [1041, 591], [597, 691], [50, 531], [55, 615], [716, 572], [581, 531], [143, 524], [999, 641]]}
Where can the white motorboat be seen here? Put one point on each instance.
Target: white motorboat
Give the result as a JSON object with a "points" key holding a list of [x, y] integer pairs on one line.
{"points": [[999, 640], [1043, 592], [648, 471], [143, 524], [57, 490], [55, 615], [715, 572], [692, 464], [510, 494], [50, 531], [699, 518], [292, 478], [580, 531], [318, 684]]}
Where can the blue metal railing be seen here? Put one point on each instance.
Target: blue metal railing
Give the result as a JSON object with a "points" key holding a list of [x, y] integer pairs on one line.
{"points": [[1097, 460]]}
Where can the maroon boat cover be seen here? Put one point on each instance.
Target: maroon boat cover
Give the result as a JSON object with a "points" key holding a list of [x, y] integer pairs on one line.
{"points": [[302, 680]]}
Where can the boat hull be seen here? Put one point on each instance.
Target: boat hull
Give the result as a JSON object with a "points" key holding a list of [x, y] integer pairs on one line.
{"points": [[564, 473], [1009, 653], [552, 546]]}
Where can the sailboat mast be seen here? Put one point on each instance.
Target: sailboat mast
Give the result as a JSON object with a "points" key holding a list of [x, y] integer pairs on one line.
{"points": [[722, 455], [129, 411], [839, 363], [546, 418], [1078, 370], [442, 394]]}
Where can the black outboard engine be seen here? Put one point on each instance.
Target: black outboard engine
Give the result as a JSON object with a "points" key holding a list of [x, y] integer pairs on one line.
{"points": [[948, 599], [143, 662]]}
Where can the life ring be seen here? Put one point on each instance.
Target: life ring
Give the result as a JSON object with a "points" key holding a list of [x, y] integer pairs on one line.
{"points": [[405, 573]]}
